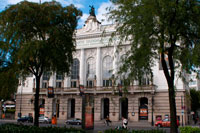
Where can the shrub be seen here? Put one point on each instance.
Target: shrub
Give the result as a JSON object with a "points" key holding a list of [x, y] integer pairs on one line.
{"points": [[13, 128], [133, 131], [188, 129]]}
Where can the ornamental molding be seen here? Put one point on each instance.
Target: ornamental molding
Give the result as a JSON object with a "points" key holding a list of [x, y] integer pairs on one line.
{"points": [[91, 53], [107, 51]]}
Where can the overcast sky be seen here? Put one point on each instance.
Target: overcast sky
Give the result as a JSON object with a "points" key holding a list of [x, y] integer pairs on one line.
{"points": [[83, 5]]}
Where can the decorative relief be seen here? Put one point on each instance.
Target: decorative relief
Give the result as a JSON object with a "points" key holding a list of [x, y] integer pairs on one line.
{"points": [[91, 53], [107, 51]]}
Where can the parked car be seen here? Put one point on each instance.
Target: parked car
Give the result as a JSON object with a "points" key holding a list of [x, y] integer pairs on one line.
{"points": [[164, 123], [25, 118], [74, 121], [44, 119]]}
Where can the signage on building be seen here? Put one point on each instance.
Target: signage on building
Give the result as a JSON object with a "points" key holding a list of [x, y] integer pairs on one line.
{"points": [[143, 112], [41, 111], [50, 92]]}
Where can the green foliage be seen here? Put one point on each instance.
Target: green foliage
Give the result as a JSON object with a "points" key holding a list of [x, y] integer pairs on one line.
{"points": [[12, 128], [158, 30], [195, 99], [188, 129], [153, 27], [8, 82], [39, 36], [133, 131]]}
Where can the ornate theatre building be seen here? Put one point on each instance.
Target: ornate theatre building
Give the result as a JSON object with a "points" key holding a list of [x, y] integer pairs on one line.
{"points": [[95, 63]]}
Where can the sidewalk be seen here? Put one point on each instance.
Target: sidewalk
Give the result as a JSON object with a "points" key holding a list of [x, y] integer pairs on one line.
{"points": [[130, 123]]}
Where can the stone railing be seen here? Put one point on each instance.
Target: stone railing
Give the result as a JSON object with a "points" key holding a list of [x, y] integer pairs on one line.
{"points": [[113, 89]]}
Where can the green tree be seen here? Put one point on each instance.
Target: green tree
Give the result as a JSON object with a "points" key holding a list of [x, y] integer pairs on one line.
{"points": [[8, 83], [158, 29], [195, 100], [38, 38]]}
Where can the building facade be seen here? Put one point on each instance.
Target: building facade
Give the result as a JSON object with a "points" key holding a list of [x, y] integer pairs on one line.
{"points": [[96, 63]]}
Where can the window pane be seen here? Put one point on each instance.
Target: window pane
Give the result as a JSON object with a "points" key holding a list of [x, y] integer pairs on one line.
{"points": [[91, 68], [75, 69], [107, 67]]}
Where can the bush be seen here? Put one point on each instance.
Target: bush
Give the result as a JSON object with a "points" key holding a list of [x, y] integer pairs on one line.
{"points": [[188, 129], [13, 128], [133, 131]]}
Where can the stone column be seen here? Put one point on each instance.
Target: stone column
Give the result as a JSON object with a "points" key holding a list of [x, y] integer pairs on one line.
{"points": [[82, 68], [98, 67], [115, 63]]}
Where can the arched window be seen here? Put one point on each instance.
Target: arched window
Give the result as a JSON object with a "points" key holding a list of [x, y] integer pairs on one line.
{"points": [[91, 72], [75, 73], [107, 71]]}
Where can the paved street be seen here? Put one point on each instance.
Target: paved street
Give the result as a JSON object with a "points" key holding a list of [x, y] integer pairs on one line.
{"points": [[99, 126]]}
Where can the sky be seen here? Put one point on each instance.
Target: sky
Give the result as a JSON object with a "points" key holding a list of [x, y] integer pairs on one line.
{"points": [[99, 5]]}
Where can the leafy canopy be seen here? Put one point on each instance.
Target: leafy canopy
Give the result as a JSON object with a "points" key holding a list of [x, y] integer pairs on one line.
{"points": [[153, 27], [39, 36]]}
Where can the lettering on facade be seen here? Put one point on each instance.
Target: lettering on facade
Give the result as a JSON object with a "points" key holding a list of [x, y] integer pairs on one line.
{"points": [[92, 42]]}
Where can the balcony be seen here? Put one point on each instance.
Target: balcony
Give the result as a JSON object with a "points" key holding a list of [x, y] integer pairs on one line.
{"points": [[98, 90]]}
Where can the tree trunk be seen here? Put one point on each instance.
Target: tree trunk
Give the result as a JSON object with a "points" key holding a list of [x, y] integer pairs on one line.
{"points": [[36, 107], [172, 103], [171, 89]]}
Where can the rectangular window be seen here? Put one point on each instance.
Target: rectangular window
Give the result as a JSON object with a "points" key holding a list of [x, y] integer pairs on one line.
{"points": [[58, 84], [90, 83], [144, 81], [107, 83], [73, 84], [44, 85]]}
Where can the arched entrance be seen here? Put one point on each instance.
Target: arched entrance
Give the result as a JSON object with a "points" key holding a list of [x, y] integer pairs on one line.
{"points": [[104, 108], [123, 108], [71, 108], [143, 108]]}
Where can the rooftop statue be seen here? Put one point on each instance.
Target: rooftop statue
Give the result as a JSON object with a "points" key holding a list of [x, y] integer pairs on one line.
{"points": [[92, 11]]}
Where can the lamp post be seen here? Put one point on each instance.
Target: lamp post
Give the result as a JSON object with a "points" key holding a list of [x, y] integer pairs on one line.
{"points": [[182, 108], [20, 108], [152, 122]]}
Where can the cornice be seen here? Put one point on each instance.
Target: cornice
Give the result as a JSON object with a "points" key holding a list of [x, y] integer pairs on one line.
{"points": [[93, 35]]}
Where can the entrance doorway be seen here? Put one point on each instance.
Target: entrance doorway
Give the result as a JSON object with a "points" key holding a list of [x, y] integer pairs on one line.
{"points": [[123, 108], [143, 109], [104, 108], [71, 108]]}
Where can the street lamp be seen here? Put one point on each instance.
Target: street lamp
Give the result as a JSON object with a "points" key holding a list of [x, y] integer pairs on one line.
{"points": [[182, 107], [152, 122], [20, 108]]}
